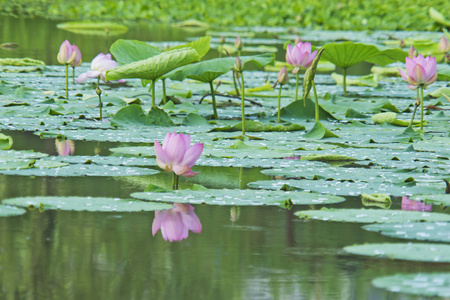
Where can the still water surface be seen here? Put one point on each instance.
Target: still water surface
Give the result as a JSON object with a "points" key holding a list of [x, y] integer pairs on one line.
{"points": [[249, 253]]}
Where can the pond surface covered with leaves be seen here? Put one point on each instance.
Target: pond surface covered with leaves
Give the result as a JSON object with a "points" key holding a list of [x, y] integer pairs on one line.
{"points": [[351, 207]]}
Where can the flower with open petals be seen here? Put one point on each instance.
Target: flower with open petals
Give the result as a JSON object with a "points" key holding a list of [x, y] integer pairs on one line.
{"points": [[300, 56], [177, 155], [420, 71], [176, 222], [99, 65], [66, 54]]}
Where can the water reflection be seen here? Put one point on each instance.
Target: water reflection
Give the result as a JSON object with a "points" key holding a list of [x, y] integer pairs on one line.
{"points": [[176, 222], [65, 147], [408, 204]]}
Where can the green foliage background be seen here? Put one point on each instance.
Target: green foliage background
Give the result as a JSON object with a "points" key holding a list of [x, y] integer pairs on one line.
{"points": [[331, 14]]}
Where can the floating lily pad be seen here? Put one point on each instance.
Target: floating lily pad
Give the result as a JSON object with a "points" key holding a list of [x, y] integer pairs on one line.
{"points": [[422, 284], [93, 204], [405, 251], [441, 199], [68, 170], [371, 215], [240, 197], [93, 28], [8, 211], [426, 231]]}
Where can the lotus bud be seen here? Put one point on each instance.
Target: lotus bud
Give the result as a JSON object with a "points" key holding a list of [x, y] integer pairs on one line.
{"points": [[283, 77], [412, 52], [298, 39], [402, 43], [222, 39], [444, 45], [238, 43], [78, 60], [66, 55], [238, 66], [98, 90]]}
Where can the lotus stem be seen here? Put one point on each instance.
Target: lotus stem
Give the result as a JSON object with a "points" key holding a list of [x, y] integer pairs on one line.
{"points": [[235, 84], [421, 107], [296, 86], [345, 82], [174, 181], [243, 104], [213, 96], [415, 108], [240, 177], [67, 81], [98, 90], [153, 92], [279, 103], [164, 99], [316, 101], [73, 75]]}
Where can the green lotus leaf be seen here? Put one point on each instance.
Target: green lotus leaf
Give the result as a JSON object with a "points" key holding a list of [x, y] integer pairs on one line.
{"points": [[368, 80], [8, 211], [422, 284], [93, 28], [156, 66], [425, 231], [319, 131], [440, 199], [209, 70], [133, 115], [6, 142], [201, 45], [390, 118], [93, 204], [438, 17], [405, 251], [371, 215], [254, 126], [128, 51], [298, 111], [348, 54], [238, 197]]}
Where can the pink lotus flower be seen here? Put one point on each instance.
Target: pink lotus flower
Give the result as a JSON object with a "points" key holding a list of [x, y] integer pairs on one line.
{"points": [[66, 54], [300, 56], [177, 155], [419, 71], [176, 222], [444, 45], [77, 61], [99, 65], [408, 204], [65, 147]]}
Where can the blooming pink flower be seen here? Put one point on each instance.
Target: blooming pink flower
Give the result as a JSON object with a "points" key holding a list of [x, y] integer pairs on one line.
{"points": [[408, 204], [66, 54], [300, 56], [99, 65], [176, 222], [77, 61], [419, 71], [177, 155]]}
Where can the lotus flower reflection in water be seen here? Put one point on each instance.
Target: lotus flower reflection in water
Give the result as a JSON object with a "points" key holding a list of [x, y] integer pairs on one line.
{"points": [[175, 223]]}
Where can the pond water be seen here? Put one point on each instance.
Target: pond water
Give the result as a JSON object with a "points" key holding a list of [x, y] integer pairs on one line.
{"points": [[241, 253]]}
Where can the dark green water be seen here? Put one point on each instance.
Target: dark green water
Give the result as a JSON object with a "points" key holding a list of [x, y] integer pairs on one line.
{"points": [[264, 253]]}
